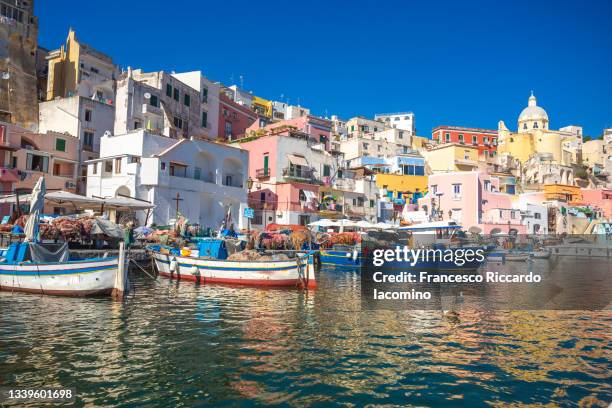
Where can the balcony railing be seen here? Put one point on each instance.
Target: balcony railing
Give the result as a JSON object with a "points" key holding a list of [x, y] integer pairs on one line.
{"points": [[262, 174], [302, 174]]}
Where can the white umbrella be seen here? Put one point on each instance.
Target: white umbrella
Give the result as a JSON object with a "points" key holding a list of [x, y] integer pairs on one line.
{"points": [[383, 225], [325, 222], [37, 204], [364, 224]]}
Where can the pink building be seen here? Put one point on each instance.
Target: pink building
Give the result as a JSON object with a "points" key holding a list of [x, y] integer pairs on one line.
{"points": [[472, 199], [27, 155], [287, 167], [234, 119], [317, 129], [600, 198]]}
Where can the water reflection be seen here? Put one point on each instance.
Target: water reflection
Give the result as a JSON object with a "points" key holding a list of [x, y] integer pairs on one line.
{"points": [[176, 343]]}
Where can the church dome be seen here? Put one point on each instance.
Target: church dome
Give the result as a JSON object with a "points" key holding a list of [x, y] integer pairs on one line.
{"points": [[533, 116], [533, 111]]}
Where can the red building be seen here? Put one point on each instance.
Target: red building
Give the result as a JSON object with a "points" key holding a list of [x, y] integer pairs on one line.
{"points": [[234, 118], [485, 139]]}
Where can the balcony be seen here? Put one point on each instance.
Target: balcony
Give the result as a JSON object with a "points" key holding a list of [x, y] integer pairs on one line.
{"points": [[148, 108], [262, 174], [299, 174]]}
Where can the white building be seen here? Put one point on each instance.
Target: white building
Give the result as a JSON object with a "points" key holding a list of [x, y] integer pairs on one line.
{"points": [[400, 120], [534, 214], [174, 105], [381, 144], [206, 177], [284, 111]]}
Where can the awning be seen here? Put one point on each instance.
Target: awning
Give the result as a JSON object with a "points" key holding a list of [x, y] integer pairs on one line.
{"points": [[297, 160], [310, 195], [83, 202]]}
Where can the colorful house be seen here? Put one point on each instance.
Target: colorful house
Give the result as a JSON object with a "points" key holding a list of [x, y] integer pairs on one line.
{"points": [[484, 139], [452, 157], [472, 199]]}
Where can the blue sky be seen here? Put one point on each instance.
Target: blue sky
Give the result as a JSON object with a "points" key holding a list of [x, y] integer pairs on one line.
{"points": [[456, 63]]}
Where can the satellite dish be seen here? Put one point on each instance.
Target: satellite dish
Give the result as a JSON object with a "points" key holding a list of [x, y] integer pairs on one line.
{"points": [[147, 95], [107, 133], [6, 75]]}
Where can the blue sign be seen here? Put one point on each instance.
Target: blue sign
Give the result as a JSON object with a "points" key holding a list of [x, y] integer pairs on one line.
{"points": [[249, 212]]}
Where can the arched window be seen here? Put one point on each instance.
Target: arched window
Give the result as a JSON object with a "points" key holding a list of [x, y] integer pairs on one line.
{"points": [[525, 126], [535, 125]]}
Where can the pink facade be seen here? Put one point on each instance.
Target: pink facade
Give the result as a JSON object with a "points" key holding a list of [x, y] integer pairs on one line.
{"points": [[234, 119], [318, 129], [472, 200], [600, 198], [25, 156]]}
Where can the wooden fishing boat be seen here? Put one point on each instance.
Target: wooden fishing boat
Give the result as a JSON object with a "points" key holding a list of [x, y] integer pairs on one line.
{"points": [[297, 270], [32, 267], [86, 277]]}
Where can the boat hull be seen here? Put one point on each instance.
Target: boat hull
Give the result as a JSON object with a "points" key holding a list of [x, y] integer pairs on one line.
{"points": [[340, 258], [289, 273], [75, 278]]}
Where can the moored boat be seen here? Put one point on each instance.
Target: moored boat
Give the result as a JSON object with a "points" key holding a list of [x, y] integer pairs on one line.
{"points": [[290, 270], [86, 277], [32, 267]]}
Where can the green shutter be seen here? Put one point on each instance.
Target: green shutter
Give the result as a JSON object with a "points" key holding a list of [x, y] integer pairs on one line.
{"points": [[60, 145], [168, 90], [266, 159]]}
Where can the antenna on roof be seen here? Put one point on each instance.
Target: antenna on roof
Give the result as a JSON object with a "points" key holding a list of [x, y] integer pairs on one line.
{"points": [[241, 82]]}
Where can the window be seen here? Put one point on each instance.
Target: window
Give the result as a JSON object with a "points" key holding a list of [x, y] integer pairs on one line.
{"points": [[37, 162], [204, 119], [537, 216], [302, 195], [154, 101], [169, 90], [176, 94], [88, 114], [460, 138], [228, 129], [456, 190], [434, 189], [94, 168], [400, 135], [187, 100], [371, 203], [197, 173], [99, 95], [486, 154], [485, 140], [535, 125], [525, 126], [326, 170], [365, 146], [419, 170], [60, 145], [447, 137], [137, 124], [163, 166], [466, 154], [405, 149], [178, 122], [88, 138], [379, 148], [487, 185], [108, 166], [178, 170], [474, 139], [352, 128], [118, 165], [513, 214], [205, 95], [501, 214]]}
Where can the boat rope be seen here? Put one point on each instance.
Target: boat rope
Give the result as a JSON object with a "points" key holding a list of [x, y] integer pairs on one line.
{"points": [[141, 268]]}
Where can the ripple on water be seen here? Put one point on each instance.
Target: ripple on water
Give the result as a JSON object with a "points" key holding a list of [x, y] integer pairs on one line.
{"points": [[181, 344]]}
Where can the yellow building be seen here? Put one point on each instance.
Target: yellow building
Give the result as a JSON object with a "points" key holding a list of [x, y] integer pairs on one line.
{"points": [[534, 136], [562, 192], [401, 183], [262, 106], [451, 157], [78, 69]]}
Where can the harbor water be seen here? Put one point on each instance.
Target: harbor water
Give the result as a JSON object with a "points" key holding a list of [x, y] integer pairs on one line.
{"points": [[182, 344]]}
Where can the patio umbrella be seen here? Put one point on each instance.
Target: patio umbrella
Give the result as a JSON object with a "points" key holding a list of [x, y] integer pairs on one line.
{"points": [[364, 224], [325, 222], [37, 204]]}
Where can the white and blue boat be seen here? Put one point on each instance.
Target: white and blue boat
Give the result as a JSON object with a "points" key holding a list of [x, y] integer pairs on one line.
{"points": [[34, 268]]}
